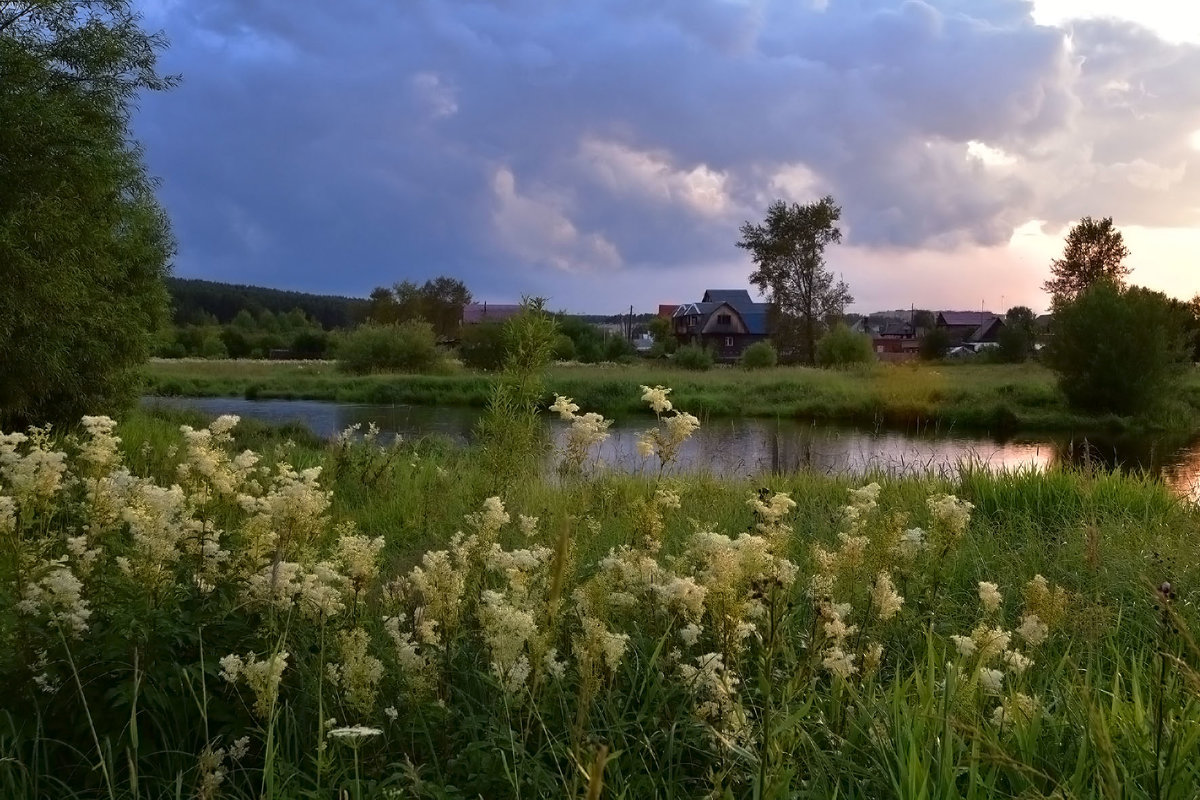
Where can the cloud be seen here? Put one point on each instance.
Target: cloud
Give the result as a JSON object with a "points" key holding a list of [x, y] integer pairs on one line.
{"points": [[514, 142], [534, 228]]}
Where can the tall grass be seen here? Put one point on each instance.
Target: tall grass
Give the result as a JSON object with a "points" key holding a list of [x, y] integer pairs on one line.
{"points": [[995, 397], [137, 706]]}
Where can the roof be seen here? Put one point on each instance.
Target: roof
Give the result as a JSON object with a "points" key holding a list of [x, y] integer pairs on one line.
{"points": [[985, 330], [903, 329], [738, 298], [666, 309], [964, 318], [488, 312]]}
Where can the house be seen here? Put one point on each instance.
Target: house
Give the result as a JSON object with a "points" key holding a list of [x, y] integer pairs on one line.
{"points": [[896, 341], [666, 310], [475, 313], [969, 327], [726, 321]]}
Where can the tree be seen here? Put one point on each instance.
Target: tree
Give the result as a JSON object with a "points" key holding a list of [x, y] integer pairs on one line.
{"points": [[1094, 251], [789, 253], [842, 347], [923, 319], [663, 332], [1017, 338], [934, 344], [84, 246], [1117, 350]]}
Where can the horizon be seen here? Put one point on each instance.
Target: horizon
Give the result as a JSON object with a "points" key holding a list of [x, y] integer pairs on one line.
{"points": [[602, 155]]}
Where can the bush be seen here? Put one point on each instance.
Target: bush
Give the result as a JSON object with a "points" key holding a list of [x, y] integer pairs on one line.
{"points": [[482, 346], [842, 347], [1117, 350], [934, 344], [759, 355], [310, 344], [693, 356], [618, 348], [564, 348], [405, 347]]}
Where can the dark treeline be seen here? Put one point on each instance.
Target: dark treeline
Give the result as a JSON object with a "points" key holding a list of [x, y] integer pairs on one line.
{"points": [[195, 301]]}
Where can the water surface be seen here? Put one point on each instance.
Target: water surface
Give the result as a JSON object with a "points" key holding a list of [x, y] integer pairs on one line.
{"points": [[752, 446]]}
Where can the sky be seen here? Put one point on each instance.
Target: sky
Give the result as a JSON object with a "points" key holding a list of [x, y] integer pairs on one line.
{"points": [[604, 153]]}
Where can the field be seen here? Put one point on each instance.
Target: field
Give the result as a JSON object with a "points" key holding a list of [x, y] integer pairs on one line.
{"points": [[267, 629], [990, 397]]}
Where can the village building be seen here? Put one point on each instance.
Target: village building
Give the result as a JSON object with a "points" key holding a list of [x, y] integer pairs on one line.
{"points": [[726, 321]]}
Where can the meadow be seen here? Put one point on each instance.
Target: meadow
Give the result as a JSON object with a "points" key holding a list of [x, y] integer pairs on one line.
{"points": [[992, 397], [196, 608]]}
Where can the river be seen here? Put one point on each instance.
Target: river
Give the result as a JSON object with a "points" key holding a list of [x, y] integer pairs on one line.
{"points": [[750, 446]]}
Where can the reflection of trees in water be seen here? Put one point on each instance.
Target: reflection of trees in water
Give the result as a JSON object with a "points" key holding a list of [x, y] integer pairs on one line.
{"points": [[740, 447]]}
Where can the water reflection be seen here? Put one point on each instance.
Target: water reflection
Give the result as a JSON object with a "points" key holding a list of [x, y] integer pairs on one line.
{"points": [[735, 447]]}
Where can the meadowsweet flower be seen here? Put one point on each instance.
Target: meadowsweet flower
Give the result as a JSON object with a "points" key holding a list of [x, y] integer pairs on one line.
{"points": [[839, 662], [415, 667], [528, 525], [990, 642], [490, 519], [690, 634], [8, 515], [58, 594], [989, 596], [656, 398], [100, 450], [912, 542], [263, 676], [991, 680], [964, 644], [391, 713], [1016, 661], [354, 733], [38, 474], [715, 687], [564, 407], [507, 632], [554, 667], [1017, 708], [872, 658], [951, 514], [359, 559], [865, 497], [1033, 630], [885, 598], [586, 431], [358, 674]]}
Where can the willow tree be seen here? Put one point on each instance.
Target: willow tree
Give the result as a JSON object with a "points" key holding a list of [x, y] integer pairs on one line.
{"points": [[788, 250], [84, 246]]}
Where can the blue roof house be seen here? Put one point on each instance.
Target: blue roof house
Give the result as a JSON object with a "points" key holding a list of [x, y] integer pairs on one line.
{"points": [[726, 321]]}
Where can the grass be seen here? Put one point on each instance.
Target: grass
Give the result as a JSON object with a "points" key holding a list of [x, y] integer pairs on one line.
{"points": [[988, 397], [135, 700]]}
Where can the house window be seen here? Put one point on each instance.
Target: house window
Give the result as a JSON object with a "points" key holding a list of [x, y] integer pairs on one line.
{"points": [[729, 341], [724, 319]]}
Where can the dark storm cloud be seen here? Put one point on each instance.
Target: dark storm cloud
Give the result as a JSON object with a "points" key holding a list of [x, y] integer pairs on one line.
{"points": [[340, 146]]}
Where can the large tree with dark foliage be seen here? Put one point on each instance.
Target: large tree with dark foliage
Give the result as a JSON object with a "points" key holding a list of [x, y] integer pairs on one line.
{"points": [[1095, 251], [1118, 349], [439, 302], [788, 250], [193, 300], [84, 245]]}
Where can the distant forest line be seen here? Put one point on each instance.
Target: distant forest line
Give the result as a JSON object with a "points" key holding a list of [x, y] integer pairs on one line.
{"points": [[194, 300]]}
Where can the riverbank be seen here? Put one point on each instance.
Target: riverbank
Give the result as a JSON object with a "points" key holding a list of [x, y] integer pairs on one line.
{"points": [[267, 627], [995, 398]]}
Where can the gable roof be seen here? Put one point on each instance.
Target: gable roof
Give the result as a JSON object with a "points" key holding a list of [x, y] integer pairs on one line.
{"points": [[987, 331], [964, 318], [738, 298]]}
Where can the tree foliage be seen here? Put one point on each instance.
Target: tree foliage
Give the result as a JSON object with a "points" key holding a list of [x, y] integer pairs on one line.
{"points": [[1018, 336], [439, 302], [788, 251], [760, 355], [194, 300], [1117, 349], [84, 245], [399, 347], [1095, 251], [842, 347], [934, 344]]}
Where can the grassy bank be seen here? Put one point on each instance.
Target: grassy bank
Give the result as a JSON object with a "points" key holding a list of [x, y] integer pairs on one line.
{"points": [[981, 397], [597, 635]]}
